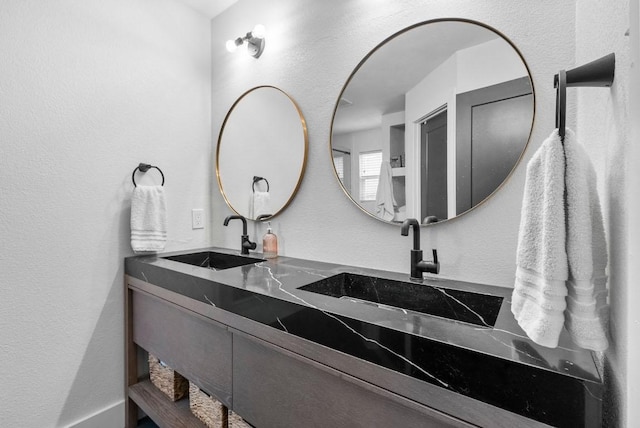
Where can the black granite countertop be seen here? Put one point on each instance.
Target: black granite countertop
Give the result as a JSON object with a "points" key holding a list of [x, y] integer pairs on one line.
{"points": [[483, 355]]}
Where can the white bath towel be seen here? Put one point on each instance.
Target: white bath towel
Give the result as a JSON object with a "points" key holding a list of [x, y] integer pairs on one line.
{"points": [[538, 299], [587, 310], [148, 219], [385, 202], [259, 204], [561, 259]]}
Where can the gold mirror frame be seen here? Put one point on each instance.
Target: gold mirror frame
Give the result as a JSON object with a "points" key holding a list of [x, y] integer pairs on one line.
{"points": [[372, 52], [303, 161]]}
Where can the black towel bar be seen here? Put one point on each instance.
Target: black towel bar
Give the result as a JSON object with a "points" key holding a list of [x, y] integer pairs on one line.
{"points": [[598, 73], [144, 167]]}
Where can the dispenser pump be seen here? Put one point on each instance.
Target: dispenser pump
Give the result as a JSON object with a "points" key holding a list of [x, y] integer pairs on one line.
{"points": [[269, 243]]}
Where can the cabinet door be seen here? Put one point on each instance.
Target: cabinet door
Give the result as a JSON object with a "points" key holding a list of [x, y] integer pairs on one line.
{"points": [[273, 387], [197, 348]]}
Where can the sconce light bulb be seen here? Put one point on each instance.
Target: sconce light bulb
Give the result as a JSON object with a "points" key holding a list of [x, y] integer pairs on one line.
{"points": [[254, 44], [259, 31]]}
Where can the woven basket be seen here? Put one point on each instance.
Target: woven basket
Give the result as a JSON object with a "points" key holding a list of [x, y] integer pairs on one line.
{"points": [[167, 380], [206, 408], [235, 421]]}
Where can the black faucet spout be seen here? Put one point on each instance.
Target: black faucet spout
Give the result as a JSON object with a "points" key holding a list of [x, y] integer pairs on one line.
{"points": [[413, 223], [237, 217]]}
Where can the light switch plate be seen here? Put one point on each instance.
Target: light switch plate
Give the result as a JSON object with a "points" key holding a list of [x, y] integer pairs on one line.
{"points": [[197, 218]]}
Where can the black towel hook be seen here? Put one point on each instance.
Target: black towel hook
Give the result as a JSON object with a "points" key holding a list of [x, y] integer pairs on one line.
{"points": [[598, 73], [255, 180], [144, 167]]}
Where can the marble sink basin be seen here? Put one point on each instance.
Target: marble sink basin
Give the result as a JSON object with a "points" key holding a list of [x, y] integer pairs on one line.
{"points": [[214, 260], [458, 305]]}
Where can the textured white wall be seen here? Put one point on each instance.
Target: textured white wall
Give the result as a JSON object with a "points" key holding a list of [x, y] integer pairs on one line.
{"points": [[632, 390], [88, 89], [311, 49], [603, 126]]}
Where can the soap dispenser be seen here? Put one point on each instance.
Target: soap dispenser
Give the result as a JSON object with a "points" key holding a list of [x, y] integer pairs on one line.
{"points": [[269, 243]]}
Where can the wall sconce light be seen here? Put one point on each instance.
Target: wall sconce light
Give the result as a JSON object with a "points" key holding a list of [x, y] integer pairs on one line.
{"points": [[254, 40]]}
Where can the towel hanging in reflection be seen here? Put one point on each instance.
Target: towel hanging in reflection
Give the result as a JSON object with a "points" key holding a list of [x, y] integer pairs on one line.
{"points": [[259, 204], [385, 202]]}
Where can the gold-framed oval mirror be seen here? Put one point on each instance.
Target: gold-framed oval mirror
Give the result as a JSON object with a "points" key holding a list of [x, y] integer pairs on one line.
{"points": [[262, 153], [432, 121]]}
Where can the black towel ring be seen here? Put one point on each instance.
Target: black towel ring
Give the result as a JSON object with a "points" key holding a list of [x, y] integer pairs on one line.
{"points": [[144, 167], [255, 180]]}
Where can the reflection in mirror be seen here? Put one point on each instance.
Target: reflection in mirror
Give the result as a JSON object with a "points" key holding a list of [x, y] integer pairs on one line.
{"points": [[432, 121], [261, 154]]}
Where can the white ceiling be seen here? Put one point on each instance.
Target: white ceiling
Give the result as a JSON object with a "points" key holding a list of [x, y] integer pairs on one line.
{"points": [[210, 8]]}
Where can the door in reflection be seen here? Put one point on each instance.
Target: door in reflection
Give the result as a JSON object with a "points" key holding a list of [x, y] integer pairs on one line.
{"points": [[434, 166]]}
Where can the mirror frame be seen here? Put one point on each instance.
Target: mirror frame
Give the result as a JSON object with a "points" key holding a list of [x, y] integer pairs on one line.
{"points": [[373, 51], [303, 123]]}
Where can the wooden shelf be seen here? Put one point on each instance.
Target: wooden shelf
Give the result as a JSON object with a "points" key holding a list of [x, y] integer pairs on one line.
{"points": [[164, 412]]}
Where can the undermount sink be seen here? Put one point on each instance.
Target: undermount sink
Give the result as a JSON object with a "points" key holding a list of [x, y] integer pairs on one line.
{"points": [[213, 260], [464, 306]]}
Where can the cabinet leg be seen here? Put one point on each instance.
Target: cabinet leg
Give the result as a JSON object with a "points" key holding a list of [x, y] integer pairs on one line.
{"points": [[131, 414], [131, 362]]}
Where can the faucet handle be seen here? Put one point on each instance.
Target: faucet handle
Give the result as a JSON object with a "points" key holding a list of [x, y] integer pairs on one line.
{"points": [[246, 243], [435, 261]]}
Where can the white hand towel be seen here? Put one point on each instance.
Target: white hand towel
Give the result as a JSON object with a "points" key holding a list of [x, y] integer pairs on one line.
{"points": [[538, 299], [260, 204], [587, 308], [148, 219], [385, 202], [562, 255]]}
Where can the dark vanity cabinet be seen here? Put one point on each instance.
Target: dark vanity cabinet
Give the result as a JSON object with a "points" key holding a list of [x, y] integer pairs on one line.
{"points": [[291, 342], [266, 384]]}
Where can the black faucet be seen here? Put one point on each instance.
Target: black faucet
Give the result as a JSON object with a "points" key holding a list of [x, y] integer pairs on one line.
{"points": [[418, 266], [246, 244]]}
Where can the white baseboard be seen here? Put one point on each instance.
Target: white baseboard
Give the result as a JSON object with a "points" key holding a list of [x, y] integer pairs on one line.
{"points": [[110, 417]]}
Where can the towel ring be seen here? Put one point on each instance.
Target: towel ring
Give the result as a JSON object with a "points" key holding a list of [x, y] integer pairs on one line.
{"points": [[597, 73], [255, 180], [144, 167]]}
